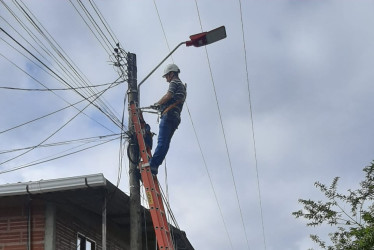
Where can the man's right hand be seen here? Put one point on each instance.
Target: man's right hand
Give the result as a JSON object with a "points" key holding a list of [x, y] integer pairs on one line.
{"points": [[156, 106]]}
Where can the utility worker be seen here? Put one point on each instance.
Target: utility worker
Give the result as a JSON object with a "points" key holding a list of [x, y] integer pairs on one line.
{"points": [[170, 105]]}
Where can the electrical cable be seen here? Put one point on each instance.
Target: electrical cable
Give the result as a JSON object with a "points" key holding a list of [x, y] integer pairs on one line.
{"points": [[104, 22], [52, 43], [112, 118], [62, 143], [107, 51], [70, 105], [121, 147], [1, 163], [162, 27], [223, 131], [58, 89], [252, 125], [209, 176], [62, 54], [39, 27], [55, 158]]}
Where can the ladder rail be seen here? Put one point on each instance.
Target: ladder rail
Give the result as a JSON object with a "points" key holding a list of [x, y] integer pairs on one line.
{"points": [[151, 185]]}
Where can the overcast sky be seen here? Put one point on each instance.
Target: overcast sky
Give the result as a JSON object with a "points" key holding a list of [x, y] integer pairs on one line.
{"points": [[310, 71]]}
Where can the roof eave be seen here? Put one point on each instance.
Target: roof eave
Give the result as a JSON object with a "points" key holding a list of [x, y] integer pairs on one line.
{"points": [[45, 186]]}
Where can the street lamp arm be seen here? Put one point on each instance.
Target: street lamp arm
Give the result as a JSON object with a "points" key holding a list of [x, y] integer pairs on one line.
{"points": [[159, 65], [196, 40]]}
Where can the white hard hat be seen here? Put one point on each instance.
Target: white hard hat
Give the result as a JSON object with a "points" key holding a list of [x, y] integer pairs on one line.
{"points": [[171, 68]]}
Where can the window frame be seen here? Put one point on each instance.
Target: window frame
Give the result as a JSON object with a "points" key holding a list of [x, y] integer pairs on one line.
{"points": [[82, 241]]}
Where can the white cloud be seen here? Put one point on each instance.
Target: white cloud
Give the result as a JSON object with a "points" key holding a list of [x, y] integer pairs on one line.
{"points": [[310, 78]]}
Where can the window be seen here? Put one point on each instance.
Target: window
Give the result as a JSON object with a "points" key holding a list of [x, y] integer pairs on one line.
{"points": [[84, 243]]}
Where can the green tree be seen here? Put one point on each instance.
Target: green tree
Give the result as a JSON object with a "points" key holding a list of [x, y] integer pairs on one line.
{"points": [[351, 214]]}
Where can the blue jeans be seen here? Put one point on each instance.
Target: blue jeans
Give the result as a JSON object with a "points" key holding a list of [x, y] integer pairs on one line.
{"points": [[166, 131]]}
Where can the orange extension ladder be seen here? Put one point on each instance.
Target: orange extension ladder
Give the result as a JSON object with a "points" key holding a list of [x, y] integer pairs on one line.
{"points": [[150, 183]]}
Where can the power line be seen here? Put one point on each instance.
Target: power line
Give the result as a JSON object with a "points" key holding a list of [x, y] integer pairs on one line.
{"points": [[52, 159], [74, 75], [59, 129], [105, 107], [162, 27], [70, 105], [223, 130], [251, 115], [209, 177], [62, 143], [38, 26], [105, 47], [103, 21], [51, 89], [109, 115]]}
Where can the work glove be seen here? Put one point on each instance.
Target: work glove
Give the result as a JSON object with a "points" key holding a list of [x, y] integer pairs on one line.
{"points": [[156, 106]]}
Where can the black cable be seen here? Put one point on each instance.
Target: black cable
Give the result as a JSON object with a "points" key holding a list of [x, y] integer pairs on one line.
{"points": [[58, 49], [54, 112], [70, 105], [82, 140], [103, 21], [112, 118], [91, 29], [94, 23], [121, 150], [40, 162], [53, 132], [59, 89], [39, 27]]}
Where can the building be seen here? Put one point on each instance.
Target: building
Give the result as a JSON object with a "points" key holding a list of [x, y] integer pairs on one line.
{"points": [[84, 212]]}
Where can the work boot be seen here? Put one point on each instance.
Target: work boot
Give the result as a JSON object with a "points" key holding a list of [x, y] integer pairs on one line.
{"points": [[154, 170]]}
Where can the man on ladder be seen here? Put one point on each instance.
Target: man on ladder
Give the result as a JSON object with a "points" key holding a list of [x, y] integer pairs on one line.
{"points": [[170, 105]]}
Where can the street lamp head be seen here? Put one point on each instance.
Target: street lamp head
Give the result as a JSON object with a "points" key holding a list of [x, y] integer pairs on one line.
{"points": [[206, 38]]}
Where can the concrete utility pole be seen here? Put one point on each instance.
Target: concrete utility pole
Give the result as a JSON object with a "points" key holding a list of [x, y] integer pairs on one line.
{"points": [[135, 207]]}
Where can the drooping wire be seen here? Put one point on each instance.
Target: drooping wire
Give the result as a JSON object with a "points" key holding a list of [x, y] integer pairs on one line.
{"points": [[105, 107], [34, 23], [62, 143], [54, 112], [112, 118], [162, 27], [74, 76], [107, 48], [54, 133], [52, 159], [121, 146], [51, 89], [251, 115], [223, 130], [103, 21], [210, 178]]}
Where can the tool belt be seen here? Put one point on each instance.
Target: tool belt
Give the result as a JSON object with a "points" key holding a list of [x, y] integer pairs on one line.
{"points": [[171, 106]]}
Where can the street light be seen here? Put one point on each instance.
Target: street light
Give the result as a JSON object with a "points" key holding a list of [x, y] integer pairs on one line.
{"points": [[206, 38], [197, 40]]}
